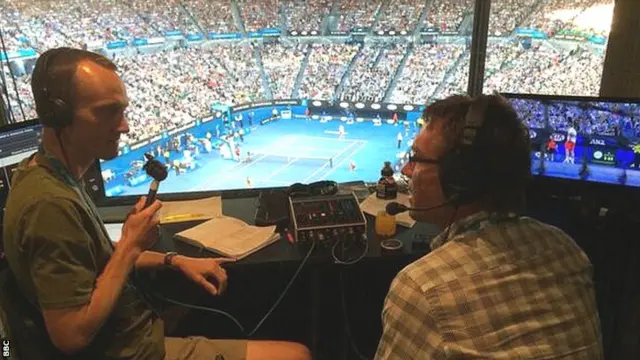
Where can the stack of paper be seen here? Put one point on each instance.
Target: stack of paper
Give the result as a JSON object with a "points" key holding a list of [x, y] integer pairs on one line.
{"points": [[229, 236], [372, 205], [179, 211]]}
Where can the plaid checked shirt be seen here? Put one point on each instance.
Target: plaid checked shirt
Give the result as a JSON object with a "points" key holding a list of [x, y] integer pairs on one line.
{"points": [[495, 289]]}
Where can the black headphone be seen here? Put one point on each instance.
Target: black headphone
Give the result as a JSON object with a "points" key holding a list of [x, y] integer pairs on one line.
{"points": [[55, 113], [461, 170]]}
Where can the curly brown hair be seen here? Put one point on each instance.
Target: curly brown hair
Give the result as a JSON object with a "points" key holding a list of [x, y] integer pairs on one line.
{"points": [[502, 145]]}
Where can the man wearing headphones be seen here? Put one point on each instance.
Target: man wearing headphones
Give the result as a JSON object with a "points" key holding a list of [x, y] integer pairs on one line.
{"points": [[496, 284], [58, 250]]}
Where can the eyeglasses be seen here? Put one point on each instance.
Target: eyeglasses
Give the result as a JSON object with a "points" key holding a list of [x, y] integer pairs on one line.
{"points": [[413, 158]]}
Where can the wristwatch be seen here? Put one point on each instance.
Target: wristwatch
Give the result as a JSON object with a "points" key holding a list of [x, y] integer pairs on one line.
{"points": [[168, 258]]}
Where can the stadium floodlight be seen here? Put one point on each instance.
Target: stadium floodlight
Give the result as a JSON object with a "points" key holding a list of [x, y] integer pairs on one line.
{"points": [[344, 118], [344, 105], [359, 105], [294, 33], [314, 32], [317, 103], [392, 107], [408, 107], [403, 32], [305, 33], [375, 106], [380, 32]]}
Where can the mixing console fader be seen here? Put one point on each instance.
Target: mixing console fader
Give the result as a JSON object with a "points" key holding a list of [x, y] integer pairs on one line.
{"points": [[327, 219]]}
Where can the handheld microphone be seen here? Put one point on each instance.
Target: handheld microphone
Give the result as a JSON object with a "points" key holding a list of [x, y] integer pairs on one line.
{"points": [[395, 208], [158, 172]]}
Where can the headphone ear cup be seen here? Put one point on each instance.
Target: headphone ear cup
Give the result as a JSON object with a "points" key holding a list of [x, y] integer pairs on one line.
{"points": [[61, 115], [459, 176]]}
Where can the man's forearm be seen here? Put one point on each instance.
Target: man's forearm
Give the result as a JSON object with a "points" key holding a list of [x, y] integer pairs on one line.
{"points": [[149, 260], [107, 291]]}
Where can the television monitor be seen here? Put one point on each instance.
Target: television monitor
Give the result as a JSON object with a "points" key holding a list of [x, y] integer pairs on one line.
{"points": [[591, 139], [268, 144], [17, 142]]}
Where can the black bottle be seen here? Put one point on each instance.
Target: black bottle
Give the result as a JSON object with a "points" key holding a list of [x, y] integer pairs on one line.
{"points": [[387, 187]]}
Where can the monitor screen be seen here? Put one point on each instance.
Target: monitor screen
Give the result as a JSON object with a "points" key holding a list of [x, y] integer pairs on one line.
{"points": [[268, 144], [588, 139], [17, 142]]}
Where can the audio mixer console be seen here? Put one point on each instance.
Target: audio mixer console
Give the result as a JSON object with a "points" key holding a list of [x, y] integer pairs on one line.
{"points": [[326, 220]]}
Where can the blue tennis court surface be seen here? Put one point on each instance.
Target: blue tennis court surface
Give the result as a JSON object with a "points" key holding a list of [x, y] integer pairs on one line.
{"points": [[288, 151]]}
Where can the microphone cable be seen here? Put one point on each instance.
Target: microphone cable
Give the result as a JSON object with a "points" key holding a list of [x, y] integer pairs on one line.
{"points": [[231, 317], [345, 315]]}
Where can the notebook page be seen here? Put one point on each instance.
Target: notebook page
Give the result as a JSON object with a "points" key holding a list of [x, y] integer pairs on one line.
{"points": [[217, 228], [242, 242]]}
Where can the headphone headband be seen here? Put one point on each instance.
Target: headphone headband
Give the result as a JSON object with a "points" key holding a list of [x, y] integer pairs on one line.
{"points": [[56, 112], [461, 172]]}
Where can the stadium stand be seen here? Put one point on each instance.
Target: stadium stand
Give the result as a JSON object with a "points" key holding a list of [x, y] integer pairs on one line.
{"points": [[178, 81], [357, 13]]}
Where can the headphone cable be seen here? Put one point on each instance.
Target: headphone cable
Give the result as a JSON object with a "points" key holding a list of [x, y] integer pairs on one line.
{"points": [[226, 314]]}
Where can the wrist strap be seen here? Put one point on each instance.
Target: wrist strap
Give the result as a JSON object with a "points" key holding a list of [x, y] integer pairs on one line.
{"points": [[168, 258]]}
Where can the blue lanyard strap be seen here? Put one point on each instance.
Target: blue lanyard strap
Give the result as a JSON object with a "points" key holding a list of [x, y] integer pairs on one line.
{"points": [[60, 171], [58, 168]]}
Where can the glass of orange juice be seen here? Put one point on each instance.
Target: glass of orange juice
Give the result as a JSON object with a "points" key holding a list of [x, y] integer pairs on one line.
{"points": [[385, 224]]}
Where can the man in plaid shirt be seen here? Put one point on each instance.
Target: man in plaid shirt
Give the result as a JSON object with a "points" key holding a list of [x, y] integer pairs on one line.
{"points": [[495, 285]]}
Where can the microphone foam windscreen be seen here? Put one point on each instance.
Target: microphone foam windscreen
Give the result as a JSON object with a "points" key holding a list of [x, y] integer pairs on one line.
{"points": [[394, 208], [155, 168]]}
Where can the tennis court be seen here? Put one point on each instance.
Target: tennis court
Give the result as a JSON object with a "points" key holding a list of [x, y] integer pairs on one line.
{"points": [[288, 159], [287, 151]]}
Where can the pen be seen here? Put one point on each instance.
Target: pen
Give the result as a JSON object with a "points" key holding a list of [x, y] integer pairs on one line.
{"points": [[183, 217], [289, 237]]}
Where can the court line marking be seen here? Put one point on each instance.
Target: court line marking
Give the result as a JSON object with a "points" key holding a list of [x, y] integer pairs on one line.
{"points": [[229, 171], [325, 165], [280, 169], [343, 160], [331, 139]]}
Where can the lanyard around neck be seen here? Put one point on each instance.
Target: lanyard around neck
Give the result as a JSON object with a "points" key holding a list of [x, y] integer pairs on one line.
{"points": [[58, 168]]}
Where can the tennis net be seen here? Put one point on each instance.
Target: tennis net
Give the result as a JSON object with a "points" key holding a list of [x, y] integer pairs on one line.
{"points": [[292, 158]]}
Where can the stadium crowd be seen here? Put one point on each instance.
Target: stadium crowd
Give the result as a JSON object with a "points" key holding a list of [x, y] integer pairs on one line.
{"points": [[177, 85], [172, 88], [261, 14], [373, 71], [327, 64], [305, 15], [282, 65], [553, 16], [400, 15], [212, 15], [357, 13], [447, 15], [430, 63], [506, 15]]}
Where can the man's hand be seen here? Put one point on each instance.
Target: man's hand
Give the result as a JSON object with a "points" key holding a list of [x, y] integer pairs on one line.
{"points": [[201, 271], [140, 227]]}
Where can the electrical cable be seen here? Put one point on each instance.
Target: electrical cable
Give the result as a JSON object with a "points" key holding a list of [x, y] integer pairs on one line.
{"points": [[349, 262], [231, 317], [347, 328]]}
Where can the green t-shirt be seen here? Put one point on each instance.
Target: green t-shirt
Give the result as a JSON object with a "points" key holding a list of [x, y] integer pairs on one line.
{"points": [[56, 250]]}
